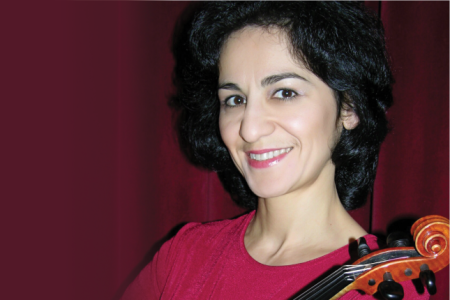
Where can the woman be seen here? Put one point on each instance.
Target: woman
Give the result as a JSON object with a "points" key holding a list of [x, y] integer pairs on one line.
{"points": [[287, 102]]}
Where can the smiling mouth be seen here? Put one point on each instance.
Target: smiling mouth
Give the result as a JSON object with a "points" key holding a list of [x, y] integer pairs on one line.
{"points": [[269, 154]]}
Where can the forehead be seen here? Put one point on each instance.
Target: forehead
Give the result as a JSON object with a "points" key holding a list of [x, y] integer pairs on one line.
{"points": [[255, 34], [264, 49]]}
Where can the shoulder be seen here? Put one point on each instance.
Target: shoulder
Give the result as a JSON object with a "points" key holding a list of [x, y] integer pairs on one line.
{"points": [[209, 233], [190, 245]]}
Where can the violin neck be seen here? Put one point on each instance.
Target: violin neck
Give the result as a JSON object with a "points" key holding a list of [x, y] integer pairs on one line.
{"points": [[332, 284]]}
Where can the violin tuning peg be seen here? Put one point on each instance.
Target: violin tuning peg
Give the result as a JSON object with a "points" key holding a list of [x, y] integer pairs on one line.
{"points": [[363, 249], [428, 279], [389, 289], [398, 239]]}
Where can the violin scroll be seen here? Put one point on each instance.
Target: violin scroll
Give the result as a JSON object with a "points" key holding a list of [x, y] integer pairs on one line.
{"points": [[431, 235]]}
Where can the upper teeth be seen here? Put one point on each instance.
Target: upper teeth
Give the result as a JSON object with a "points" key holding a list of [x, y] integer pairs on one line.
{"points": [[269, 155]]}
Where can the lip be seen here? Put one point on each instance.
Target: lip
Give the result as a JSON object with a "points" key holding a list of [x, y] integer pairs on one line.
{"points": [[265, 163]]}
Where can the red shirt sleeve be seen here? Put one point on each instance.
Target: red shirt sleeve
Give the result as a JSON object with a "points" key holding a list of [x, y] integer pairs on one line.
{"points": [[150, 282]]}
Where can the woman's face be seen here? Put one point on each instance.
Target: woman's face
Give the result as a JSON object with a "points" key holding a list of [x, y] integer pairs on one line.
{"points": [[277, 119]]}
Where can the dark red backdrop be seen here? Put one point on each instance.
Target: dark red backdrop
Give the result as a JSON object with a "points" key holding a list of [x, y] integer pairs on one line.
{"points": [[93, 177]]}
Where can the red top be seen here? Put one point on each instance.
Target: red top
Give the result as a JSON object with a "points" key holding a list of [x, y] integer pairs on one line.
{"points": [[209, 261]]}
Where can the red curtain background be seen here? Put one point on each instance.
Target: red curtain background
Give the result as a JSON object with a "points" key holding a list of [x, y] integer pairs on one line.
{"points": [[93, 179]]}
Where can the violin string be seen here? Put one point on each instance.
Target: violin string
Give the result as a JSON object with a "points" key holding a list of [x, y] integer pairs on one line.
{"points": [[328, 290], [330, 286], [333, 280], [358, 271], [320, 285], [383, 261]]}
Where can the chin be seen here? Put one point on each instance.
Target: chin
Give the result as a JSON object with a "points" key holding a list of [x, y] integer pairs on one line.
{"points": [[268, 190]]}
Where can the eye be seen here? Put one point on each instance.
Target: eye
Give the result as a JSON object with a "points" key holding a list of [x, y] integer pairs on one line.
{"points": [[235, 101], [285, 94]]}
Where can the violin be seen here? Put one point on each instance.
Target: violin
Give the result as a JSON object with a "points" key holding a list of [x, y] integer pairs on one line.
{"points": [[381, 270]]}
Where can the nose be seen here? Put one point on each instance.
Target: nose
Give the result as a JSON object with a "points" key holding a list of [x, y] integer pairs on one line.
{"points": [[256, 122]]}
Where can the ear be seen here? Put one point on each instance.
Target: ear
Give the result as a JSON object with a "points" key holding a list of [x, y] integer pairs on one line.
{"points": [[349, 118]]}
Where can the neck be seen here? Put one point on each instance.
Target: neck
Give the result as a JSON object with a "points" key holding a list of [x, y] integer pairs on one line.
{"points": [[298, 216], [300, 226]]}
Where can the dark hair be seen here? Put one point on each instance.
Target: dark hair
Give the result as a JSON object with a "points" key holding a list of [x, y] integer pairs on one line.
{"points": [[340, 42]]}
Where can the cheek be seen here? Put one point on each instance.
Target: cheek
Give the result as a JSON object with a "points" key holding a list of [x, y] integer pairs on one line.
{"points": [[227, 131], [312, 126]]}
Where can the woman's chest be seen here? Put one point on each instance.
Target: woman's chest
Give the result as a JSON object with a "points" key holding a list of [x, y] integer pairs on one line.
{"points": [[227, 273]]}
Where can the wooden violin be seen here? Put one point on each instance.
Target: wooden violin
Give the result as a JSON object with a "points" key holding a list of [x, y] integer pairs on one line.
{"points": [[381, 270]]}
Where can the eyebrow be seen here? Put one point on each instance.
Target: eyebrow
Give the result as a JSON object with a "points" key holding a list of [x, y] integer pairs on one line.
{"points": [[275, 78], [265, 82], [229, 86]]}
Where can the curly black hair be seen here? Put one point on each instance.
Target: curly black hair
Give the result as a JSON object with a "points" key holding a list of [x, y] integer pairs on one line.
{"points": [[342, 43]]}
